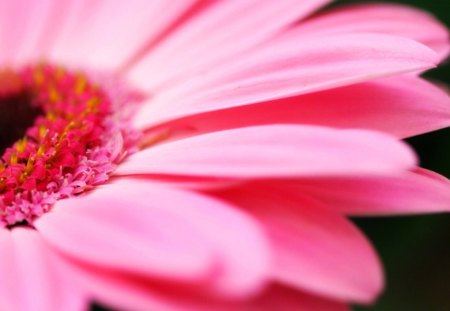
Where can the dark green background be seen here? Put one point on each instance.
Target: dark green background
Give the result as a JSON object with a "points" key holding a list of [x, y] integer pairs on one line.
{"points": [[416, 250]]}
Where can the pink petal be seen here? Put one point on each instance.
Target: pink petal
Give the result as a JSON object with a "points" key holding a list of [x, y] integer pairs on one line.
{"points": [[274, 151], [22, 24], [127, 235], [105, 34], [421, 191], [210, 38], [290, 68], [9, 286], [282, 298], [124, 293], [30, 280], [402, 106], [316, 249], [154, 231], [385, 18]]}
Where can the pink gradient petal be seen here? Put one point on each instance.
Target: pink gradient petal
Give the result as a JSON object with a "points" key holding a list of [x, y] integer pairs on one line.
{"points": [[274, 151], [402, 106], [282, 298], [60, 13], [22, 24], [105, 34], [420, 191], [212, 31], [242, 267], [287, 69], [30, 281], [10, 283], [172, 234], [385, 18], [124, 293], [123, 233], [316, 249]]}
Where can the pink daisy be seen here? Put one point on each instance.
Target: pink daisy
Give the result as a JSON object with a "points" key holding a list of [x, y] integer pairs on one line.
{"points": [[204, 155]]}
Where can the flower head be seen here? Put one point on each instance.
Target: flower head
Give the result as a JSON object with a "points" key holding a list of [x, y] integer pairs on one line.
{"points": [[204, 155]]}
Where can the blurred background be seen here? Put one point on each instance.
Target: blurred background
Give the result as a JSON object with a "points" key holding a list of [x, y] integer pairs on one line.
{"points": [[416, 250]]}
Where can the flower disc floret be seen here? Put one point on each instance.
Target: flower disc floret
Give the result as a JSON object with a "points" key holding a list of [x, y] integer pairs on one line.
{"points": [[74, 143]]}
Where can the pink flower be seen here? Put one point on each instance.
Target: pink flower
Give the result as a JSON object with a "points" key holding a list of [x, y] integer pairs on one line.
{"points": [[203, 155]]}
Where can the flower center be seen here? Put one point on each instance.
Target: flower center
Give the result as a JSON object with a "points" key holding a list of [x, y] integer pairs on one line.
{"points": [[61, 134], [17, 113]]}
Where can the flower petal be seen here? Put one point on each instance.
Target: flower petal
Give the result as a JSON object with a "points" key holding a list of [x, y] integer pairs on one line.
{"points": [[288, 68], [401, 106], [141, 228], [283, 298], [125, 234], [22, 25], [385, 18], [316, 249], [274, 151], [30, 280], [420, 191], [212, 31], [106, 34], [124, 293]]}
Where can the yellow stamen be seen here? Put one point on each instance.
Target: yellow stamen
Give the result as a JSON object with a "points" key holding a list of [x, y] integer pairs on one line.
{"points": [[92, 105], [42, 131], [53, 95], [30, 165], [13, 160], [21, 145], [38, 76], [80, 85], [23, 177], [40, 151], [60, 73], [51, 115]]}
